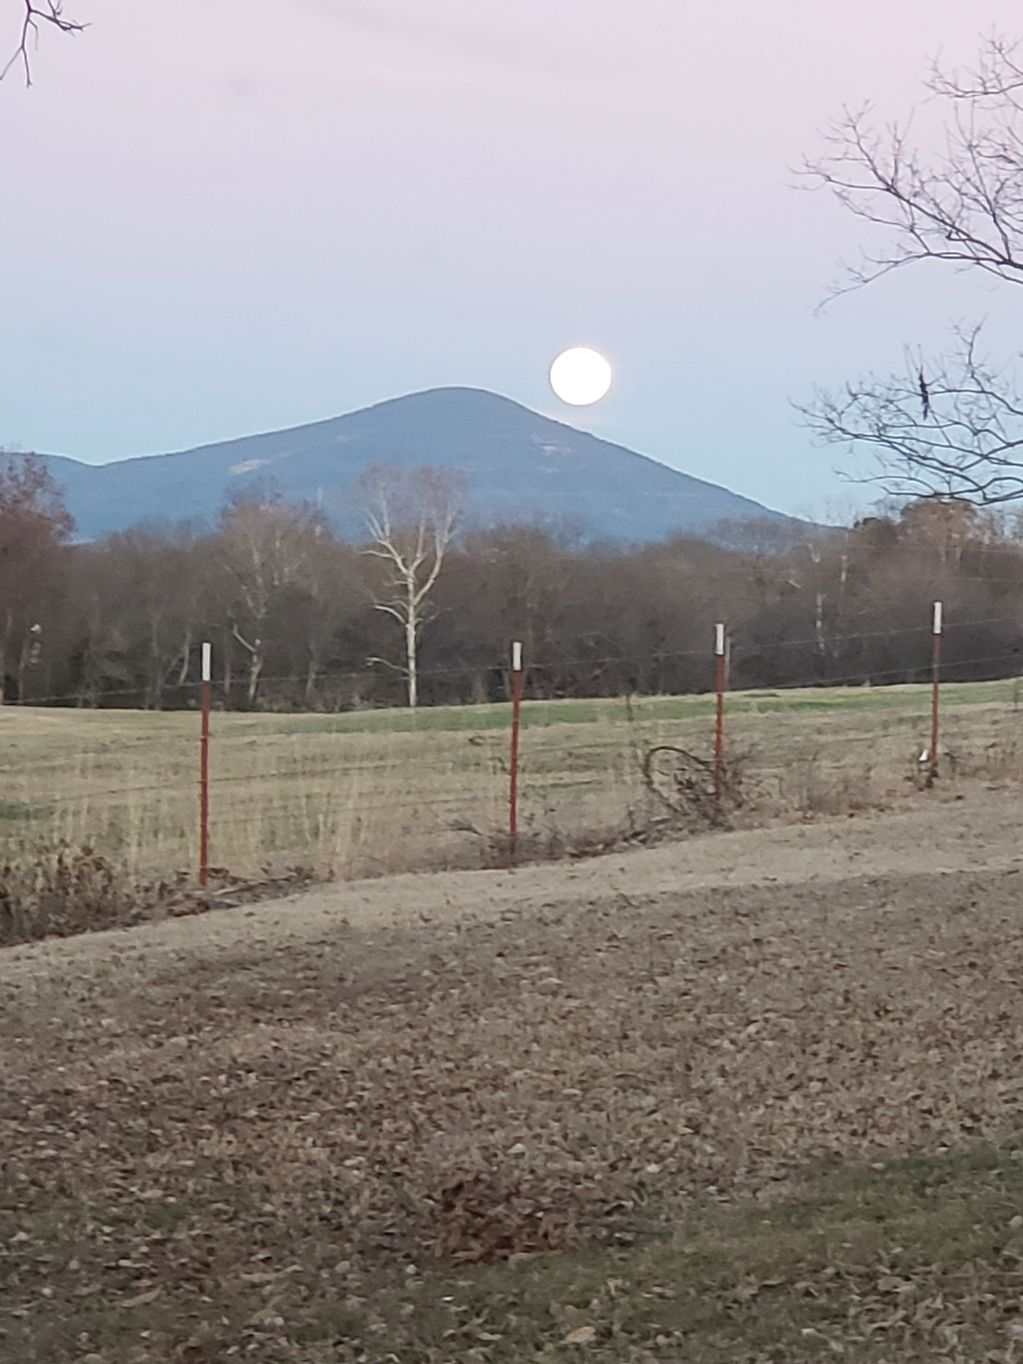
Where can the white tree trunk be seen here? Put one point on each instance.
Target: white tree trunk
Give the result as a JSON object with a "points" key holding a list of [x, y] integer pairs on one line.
{"points": [[255, 653], [411, 662], [186, 657], [255, 668]]}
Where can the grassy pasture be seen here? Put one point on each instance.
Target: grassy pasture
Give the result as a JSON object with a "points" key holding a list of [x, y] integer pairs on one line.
{"points": [[360, 793]]}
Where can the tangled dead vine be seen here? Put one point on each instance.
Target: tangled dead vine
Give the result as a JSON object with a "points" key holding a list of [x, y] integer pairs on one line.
{"points": [[684, 783]]}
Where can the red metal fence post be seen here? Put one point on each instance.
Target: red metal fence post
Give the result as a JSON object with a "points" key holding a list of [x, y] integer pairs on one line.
{"points": [[204, 768], [513, 789], [936, 632], [720, 659]]}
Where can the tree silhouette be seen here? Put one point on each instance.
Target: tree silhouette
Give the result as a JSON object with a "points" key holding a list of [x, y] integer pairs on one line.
{"points": [[37, 14], [951, 426]]}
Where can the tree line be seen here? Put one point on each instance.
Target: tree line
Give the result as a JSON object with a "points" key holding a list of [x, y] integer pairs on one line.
{"points": [[299, 618]]}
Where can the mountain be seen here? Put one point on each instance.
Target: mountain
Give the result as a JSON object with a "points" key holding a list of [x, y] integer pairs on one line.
{"points": [[520, 465]]}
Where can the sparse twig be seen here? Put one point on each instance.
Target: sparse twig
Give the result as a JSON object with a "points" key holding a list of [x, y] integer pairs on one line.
{"points": [[49, 12]]}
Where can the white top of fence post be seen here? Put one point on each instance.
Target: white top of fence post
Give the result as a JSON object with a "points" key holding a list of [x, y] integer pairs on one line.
{"points": [[719, 640], [517, 657], [207, 663], [937, 622]]}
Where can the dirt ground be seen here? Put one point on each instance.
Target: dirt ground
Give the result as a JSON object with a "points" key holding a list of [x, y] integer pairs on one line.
{"points": [[279, 1131]]}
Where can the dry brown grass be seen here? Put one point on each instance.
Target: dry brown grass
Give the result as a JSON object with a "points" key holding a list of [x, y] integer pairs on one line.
{"points": [[59, 891], [214, 1144], [361, 795]]}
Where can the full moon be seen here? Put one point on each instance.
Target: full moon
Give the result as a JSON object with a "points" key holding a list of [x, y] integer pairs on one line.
{"points": [[580, 376]]}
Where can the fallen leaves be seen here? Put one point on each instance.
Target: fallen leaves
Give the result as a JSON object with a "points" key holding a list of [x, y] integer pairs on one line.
{"points": [[466, 1095], [141, 1299], [582, 1335], [483, 1220]]}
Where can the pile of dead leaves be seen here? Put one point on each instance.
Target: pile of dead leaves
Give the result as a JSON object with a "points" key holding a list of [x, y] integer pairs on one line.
{"points": [[482, 1220]]}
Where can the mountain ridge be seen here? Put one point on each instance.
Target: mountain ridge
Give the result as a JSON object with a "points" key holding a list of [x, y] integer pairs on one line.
{"points": [[521, 466]]}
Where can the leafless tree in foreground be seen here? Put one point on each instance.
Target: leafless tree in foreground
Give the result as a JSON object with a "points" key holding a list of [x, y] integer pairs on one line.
{"points": [[952, 429], [951, 426], [411, 515], [37, 13]]}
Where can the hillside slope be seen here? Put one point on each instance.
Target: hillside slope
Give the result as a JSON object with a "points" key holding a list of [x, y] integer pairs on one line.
{"points": [[521, 466]]}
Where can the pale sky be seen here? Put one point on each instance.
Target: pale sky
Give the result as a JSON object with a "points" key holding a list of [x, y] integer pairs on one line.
{"points": [[220, 217]]}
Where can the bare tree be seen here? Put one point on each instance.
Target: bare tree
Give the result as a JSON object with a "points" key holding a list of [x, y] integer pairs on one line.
{"points": [[325, 596], [48, 13], [411, 515], [34, 531], [155, 586], [264, 546], [953, 426]]}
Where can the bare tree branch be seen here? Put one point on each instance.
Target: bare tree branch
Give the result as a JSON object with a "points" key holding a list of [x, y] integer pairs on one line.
{"points": [[38, 12], [952, 428], [964, 442], [997, 75], [962, 206]]}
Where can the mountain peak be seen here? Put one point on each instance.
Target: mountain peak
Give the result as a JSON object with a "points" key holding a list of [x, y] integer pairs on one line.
{"points": [[453, 393], [451, 404]]}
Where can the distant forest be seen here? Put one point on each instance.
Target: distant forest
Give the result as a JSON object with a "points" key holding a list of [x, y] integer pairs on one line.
{"points": [[300, 619]]}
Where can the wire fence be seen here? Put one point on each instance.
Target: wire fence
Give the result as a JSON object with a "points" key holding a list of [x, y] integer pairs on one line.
{"points": [[549, 664], [360, 793]]}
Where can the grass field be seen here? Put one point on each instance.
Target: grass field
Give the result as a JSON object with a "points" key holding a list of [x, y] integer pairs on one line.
{"points": [[370, 792], [749, 1099]]}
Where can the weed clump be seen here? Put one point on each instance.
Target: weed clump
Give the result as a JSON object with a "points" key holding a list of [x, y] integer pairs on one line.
{"points": [[60, 890]]}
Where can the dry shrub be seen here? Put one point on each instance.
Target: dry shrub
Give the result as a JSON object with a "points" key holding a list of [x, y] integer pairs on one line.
{"points": [[811, 788], [810, 785], [682, 799], [1000, 760], [59, 890], [547, 842], [685, 785]]}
